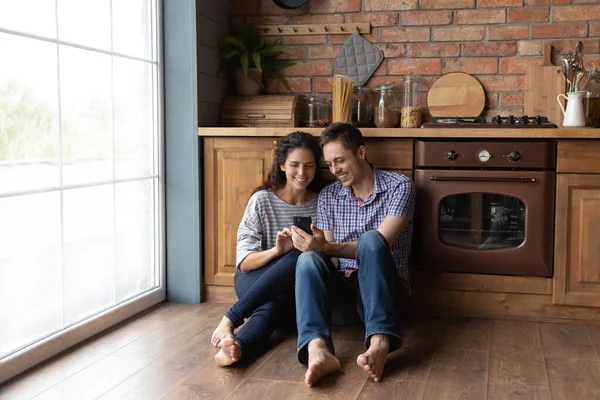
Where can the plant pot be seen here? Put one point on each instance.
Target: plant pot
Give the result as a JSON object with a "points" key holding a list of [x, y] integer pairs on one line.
{"points": [[247, 85]]}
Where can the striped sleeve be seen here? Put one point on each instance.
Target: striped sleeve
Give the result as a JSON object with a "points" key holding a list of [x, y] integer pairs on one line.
{"points": [[250, 232]]}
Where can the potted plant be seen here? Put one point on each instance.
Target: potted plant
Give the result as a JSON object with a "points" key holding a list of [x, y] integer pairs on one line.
{"points": [[252, 59]]}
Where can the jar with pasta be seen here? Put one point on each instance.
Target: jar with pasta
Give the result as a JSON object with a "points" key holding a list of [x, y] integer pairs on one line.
{"points": [[412, 106], [385, 112]]}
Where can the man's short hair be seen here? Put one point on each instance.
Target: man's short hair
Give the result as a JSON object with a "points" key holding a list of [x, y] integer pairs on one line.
{"points": [[349, 135]]}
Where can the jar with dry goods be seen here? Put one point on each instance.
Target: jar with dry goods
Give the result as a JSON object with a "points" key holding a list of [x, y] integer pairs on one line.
{"points": [[386, 106], [362, 107], [592, 102], [412, 106], [318, 112]]}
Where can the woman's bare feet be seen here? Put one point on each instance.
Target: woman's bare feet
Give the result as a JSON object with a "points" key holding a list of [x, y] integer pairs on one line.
{"points": [[373, 360], [223, 331], [230, 352], [320, 362]]}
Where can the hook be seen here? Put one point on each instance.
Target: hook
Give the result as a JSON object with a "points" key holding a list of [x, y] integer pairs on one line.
{"points": [[279, 29], [309, 29], [341, 28], [294, 29], [326, 29], [357, 30]]}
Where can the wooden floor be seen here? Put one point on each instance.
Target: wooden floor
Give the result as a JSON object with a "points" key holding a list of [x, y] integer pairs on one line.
{"points": [[166, 354]]}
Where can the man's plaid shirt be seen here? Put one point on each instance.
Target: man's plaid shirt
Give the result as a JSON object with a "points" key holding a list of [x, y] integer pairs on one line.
{"points": [[348, 217]]}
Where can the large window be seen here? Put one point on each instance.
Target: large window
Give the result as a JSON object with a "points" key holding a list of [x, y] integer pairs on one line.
{"points": [[80, 165]]}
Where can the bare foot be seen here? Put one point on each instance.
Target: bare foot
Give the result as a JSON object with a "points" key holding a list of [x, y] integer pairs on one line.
{"points": [[230, 352], [223, 331], [320, 362], [373, 360]]}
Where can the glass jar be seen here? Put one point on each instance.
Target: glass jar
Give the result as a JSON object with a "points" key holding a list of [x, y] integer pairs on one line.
{"points": [[318, 112], [412, 107], [362, 107], [386, 106], [591, 102]]}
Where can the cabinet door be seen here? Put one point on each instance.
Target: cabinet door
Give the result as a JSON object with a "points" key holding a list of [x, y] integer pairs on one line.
{"points": [[577, 240], [233, 167]]}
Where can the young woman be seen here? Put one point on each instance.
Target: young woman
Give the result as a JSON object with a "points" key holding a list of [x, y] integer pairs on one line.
{"points": [[265, 256]]}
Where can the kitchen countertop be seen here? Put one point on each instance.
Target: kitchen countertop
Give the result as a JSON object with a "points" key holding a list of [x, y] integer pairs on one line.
{"points": [[452, 133]]}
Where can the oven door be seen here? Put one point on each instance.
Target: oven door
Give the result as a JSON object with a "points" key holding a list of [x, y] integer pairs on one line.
{"points": [[489, 222]]}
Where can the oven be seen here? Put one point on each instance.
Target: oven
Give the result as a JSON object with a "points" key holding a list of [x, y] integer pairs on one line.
{"points": [[485, 206]]}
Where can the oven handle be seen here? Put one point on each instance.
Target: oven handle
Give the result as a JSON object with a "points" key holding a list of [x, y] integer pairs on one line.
{"points": [[474, 179]]}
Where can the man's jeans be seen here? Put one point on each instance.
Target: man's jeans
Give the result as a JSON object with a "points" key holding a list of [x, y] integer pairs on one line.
{"points": [[376, 290], [266, 296]]}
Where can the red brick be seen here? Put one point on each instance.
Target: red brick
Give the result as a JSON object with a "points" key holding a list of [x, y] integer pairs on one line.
{"points": [[299, 85], [575, 13], [502, 83], [305, 39], [270, 20], [565, 46], [389, 5], [491, 100], [529, 48], [546, 2], [472, 65], [499, 3], [426, 18], [319, 19], [567, 30], [479, 17], [405, 35], [375, 19], [512, 99], [242, 7], [507, 32], [323, 52], [338, 39], [391, 50], [309, 68], [294, 53], [500, 49], [594, 28], [528, 14], [382, 69], [592, 61], [267, 7], [420, 66], [458, 34], [434, 50], [512, 66], [322, 85], [446, 4], [334, 6], [584, 1]]}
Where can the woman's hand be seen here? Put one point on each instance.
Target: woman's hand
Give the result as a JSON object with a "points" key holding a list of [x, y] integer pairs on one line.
{"points": [[305, 242], [283, 242]]}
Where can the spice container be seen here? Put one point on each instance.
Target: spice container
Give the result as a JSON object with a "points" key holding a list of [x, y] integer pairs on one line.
{"points": [[412, 106], [386, 106], [362, 107], [318, 112]]}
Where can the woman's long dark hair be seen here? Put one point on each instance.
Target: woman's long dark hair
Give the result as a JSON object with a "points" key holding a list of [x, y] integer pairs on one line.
{"points": [[297, 140]]}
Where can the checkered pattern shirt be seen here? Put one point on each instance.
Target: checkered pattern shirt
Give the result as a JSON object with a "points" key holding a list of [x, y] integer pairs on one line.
{"points": [[348, 217]]}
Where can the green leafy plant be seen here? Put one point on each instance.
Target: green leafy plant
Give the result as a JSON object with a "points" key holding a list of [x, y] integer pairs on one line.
{"points": [[244, 49]]}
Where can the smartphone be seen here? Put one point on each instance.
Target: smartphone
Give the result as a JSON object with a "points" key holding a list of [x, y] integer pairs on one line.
{"points": [[303, 223]]}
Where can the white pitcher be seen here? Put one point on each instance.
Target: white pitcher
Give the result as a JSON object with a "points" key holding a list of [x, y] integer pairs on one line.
{"points": [[574, 115]]}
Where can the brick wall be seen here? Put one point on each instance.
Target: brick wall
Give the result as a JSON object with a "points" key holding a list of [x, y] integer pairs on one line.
{"points": [[495, 40]]}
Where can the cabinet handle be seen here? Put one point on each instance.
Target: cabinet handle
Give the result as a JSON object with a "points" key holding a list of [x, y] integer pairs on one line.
{"points": [[275, 143], [256, 116]]}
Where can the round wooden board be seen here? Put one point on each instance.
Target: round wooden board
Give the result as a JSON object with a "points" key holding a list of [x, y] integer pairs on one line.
{"points": [[456, 95]]}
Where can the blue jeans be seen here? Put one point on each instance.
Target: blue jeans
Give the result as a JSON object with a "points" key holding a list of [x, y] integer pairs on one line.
{"points": [[375, 289], [266, 296]]}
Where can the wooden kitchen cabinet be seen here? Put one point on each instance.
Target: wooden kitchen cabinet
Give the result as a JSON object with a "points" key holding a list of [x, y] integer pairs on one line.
{"points": [[233, 167], [577, 240]]}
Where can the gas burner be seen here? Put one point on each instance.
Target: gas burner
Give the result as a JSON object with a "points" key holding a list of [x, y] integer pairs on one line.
{"points": [[523, 120], [458, 120]]}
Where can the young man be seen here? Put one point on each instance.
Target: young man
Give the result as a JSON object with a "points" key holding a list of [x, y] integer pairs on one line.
{"points": [[358, 255]]}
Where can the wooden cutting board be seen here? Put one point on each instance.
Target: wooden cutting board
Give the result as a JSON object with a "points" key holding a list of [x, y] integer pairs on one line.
{"points": [[456, 95], [542, 85]]}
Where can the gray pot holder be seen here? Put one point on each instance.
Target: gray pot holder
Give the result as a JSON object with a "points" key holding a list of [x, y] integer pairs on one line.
{"points": [[358, 59]]}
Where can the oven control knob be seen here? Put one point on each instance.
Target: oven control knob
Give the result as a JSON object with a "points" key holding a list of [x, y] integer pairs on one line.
{"points": [[451, 155], [514, 156]]}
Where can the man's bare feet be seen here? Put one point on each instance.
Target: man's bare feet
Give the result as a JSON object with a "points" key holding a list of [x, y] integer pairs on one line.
{"points": [[320, 362], [223, 331], [373, 360], [230, 352]]}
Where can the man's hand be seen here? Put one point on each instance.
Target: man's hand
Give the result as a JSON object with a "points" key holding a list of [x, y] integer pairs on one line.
{"points": [[283, 242], [305, 242]]}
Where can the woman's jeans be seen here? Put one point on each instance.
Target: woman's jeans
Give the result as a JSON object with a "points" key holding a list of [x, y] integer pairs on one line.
{"points": [[266, 296], [375, 290]]}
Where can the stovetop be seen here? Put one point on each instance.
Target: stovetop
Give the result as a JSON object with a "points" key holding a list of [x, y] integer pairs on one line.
{"points": [[497, 122]]}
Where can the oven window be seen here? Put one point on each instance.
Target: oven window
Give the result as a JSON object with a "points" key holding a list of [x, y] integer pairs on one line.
{"points": [[481, 221]]}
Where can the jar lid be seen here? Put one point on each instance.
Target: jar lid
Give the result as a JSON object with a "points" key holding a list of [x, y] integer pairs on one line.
{"points": [[363, 89], [315, 98], [386, 86]]}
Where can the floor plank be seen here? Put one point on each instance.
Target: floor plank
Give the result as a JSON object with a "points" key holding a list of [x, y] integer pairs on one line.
{"points": [[574, 379], [517, 392], [566, 341], [467, 333]]}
